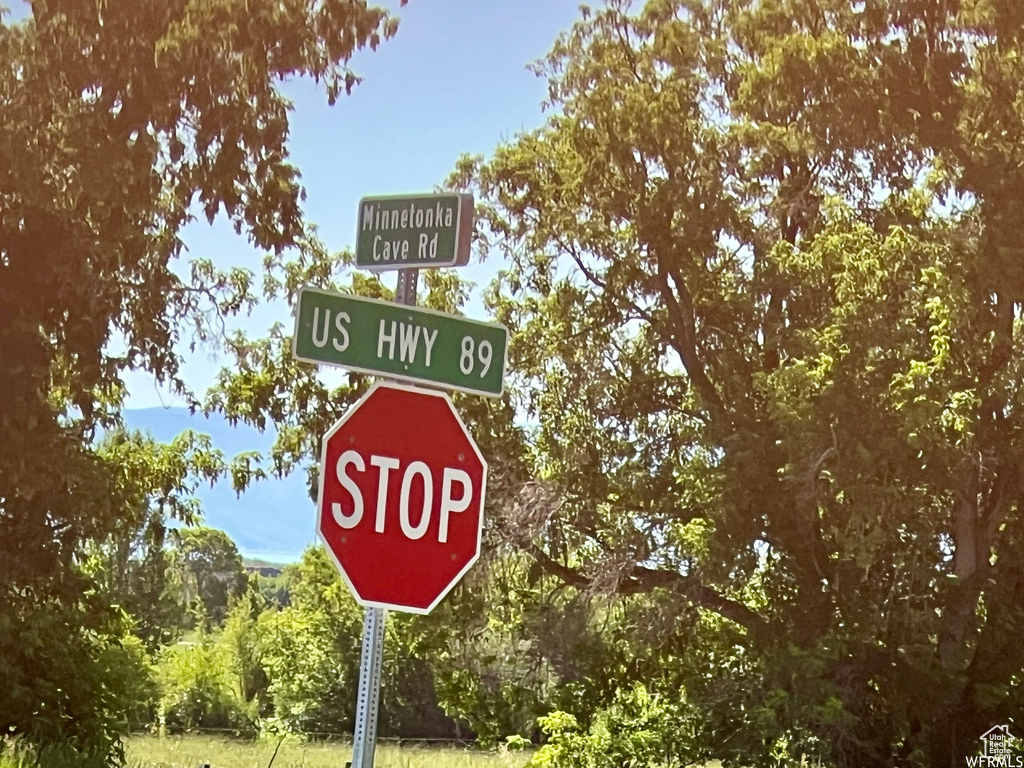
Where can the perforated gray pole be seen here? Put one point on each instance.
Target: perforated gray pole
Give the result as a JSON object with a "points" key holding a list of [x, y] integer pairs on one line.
{"points": [[405, 291], [364, 740]]}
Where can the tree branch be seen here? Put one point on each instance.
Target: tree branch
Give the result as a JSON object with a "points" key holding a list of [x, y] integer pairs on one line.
{"points": [[684, 340], [642, 580]]}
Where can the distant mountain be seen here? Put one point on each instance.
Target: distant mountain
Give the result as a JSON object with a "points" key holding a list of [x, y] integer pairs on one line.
{"points": [[262, 568], [274, 520], [266, 571]]}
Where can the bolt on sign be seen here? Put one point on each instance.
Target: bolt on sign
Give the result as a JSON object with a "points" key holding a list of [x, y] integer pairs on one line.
{"points": [[403, 231], [409, 343]]}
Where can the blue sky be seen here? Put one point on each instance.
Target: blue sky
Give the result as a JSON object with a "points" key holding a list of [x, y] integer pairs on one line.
{"points": [[452, 81]]}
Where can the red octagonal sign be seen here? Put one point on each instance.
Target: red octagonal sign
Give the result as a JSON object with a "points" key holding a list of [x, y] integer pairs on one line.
{"points": [[401, 497]]}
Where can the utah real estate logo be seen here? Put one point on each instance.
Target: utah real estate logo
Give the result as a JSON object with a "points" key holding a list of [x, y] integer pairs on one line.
{"points": [[998, 750]]}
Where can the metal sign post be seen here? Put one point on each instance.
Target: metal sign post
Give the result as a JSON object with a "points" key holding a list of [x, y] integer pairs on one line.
{"points": [[364, 740]]}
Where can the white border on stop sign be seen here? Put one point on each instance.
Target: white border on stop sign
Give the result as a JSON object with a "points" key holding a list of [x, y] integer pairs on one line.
{"points": [[320, 495]]}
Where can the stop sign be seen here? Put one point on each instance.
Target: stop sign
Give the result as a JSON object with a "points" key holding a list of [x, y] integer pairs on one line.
{"points": [[401, 498]]}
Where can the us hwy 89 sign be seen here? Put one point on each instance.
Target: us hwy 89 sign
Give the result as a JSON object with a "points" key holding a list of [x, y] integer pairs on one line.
{"points": [[410, 343]]}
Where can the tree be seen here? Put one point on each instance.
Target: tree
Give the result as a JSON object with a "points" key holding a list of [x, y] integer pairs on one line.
{"points": [[217, 680], [200, 687], [119, 120], [311, 649], [764, 298], [311, 652], [211, 571], [132, 567], [70, 664]]}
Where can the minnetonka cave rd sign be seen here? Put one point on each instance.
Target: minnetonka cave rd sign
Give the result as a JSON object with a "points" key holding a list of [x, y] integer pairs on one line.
{"points": [[402, 231], [380, 337], [401, 497]]}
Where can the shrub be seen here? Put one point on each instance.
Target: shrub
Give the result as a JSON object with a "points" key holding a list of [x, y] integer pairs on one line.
{"points": [[200, 690], [312, 662], [637, 730], [130, 672]]}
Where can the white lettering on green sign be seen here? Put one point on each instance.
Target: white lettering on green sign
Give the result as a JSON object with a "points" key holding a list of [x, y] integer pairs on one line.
{"points": [[408, 340], [416, 344], [320, 336], [427, 230], [377, 218]]}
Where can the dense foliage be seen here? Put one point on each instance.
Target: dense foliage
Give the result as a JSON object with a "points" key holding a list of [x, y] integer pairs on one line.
{"points": [[211, 569], [764, 275]]}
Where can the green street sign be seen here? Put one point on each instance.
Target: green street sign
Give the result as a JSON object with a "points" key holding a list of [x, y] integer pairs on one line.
{"points": [[401, 231], [409, 343]]}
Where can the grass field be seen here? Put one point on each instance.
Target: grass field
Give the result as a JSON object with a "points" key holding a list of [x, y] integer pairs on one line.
{"points": [[190, 751]]}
